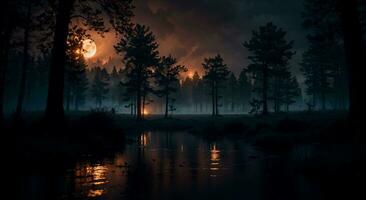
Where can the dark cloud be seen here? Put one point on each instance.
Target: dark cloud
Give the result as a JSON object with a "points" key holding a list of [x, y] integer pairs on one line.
{"points": [[194, 29]]}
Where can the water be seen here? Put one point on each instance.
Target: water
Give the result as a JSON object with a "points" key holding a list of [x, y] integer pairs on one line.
{"points": [[162, 165]]}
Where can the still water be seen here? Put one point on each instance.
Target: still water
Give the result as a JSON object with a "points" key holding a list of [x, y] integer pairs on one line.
{"points": [[163, 165]]}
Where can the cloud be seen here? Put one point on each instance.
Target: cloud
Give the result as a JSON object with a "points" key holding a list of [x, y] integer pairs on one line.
{"points": [[194, 29]]}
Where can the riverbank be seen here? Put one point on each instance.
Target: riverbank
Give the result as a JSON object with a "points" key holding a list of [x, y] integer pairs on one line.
{"points": [[314, 147], [104, 132]]}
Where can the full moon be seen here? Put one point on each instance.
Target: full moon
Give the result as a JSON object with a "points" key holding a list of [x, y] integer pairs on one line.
{"points": [[89, 48]]}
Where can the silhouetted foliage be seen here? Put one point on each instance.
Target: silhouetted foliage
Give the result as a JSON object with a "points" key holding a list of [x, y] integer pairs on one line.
{"points": [[167, 73], [216, 73], [141, 57], [323, 63], [99, 87], [76, 82], [8, 16], [117, 11], [355, 57], [270, 53], [244, 90]]}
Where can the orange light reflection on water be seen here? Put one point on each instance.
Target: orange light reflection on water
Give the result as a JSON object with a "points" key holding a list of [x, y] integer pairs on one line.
{"points": [[214, 158]]}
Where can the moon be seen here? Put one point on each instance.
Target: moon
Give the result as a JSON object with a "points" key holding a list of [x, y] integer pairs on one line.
{"points": [[89, 48]]}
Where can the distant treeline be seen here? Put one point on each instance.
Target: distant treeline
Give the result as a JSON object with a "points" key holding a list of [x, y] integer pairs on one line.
{"points": [[57, 78]]}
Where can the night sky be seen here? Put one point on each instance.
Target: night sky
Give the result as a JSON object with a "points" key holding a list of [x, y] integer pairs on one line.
{"points": [[193, 29]]}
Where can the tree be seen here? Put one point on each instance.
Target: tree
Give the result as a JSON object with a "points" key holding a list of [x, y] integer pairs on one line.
{"points": [[284, 88], [255, 106], [75, 71], [76, 84], [324, 59], [8, 11], [197, 91], [28, 25], [269, 50], [290, 90], [244, 89], [99, 88], [139, 49], [117, 11], [355, 54], [167, 74], [216, 73], [317, 73], [187, 90], [81, 85], [231, 92], [115, 85]]}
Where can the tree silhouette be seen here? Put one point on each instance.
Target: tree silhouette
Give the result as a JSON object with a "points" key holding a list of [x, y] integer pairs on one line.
{"points": [[270, 50], [9, 15], [290, 90], [187, 90], [198, 92], [317, 73], [115, 86], [284, 88], [26, 22], [167, 74], [244, 89], [75, 70], [139, 49], [117, 11], [355, 56], [323, 61], [216, 73], [99, 87], [231, 92]]}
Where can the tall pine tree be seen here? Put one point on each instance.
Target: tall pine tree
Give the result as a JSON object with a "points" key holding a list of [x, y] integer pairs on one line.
{"points": [[269, 51], [216, 73], [141, 56]]}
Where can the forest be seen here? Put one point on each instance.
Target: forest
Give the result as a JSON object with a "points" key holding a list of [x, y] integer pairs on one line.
{"points": [[61, 100]]}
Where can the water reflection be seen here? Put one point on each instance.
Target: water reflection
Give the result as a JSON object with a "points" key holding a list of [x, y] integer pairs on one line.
{"points": [[144, 139], [90, 178], [163, 165], [215, 159]]}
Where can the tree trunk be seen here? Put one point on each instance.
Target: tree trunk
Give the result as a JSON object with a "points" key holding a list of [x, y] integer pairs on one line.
{"points": [[138, 103], [23, 80], [216, 99], [355, 57], [323, 86], [54, 108], [265, 90], [134, 106], [68, 99], [6, 32], [275, 96], [76, 104], [213, 99], [323, 100], [166, 105], [143, 104]]}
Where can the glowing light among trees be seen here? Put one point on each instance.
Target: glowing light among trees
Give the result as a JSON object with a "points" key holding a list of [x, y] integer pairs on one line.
{"points": [[89, 48], [190, 74]]}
